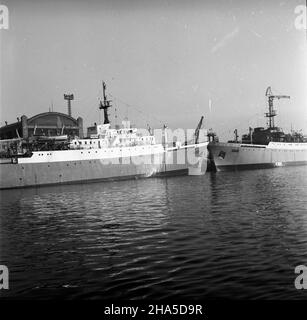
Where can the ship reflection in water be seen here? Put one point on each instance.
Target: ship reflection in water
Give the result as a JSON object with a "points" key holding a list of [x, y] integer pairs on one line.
{"points": [[224, 235]]}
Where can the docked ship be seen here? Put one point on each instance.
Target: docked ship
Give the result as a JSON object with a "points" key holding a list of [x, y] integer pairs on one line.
{"points": [[107, 154], [262, 147]]}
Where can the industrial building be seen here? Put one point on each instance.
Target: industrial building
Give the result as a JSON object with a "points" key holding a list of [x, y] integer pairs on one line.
{"points": [[43, 124], [46, 124]]}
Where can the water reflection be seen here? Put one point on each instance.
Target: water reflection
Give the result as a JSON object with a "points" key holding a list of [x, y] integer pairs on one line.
{"points": [[233, 235]]}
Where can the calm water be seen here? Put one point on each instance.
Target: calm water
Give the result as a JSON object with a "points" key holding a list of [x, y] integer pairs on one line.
{"points": [[225, 235]]}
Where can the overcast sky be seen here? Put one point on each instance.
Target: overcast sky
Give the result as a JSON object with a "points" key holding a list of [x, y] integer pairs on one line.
{"points": [[172, 60]]}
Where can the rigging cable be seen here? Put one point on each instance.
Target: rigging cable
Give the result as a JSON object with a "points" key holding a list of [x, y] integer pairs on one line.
{"points": [[145, 116]]}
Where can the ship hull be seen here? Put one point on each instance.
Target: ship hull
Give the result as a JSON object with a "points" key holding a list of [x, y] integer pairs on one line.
{"points": [[27, 174], [235, 156]]}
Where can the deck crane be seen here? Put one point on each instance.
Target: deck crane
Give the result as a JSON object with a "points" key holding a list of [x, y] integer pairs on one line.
{"points": [[272, 113], [196, 133]]}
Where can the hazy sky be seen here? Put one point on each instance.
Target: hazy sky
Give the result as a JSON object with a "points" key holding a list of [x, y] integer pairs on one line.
{"points": [[172, 60]]}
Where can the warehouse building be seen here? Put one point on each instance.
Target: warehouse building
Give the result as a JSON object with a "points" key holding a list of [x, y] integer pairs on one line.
{"points": [[43, 124]]}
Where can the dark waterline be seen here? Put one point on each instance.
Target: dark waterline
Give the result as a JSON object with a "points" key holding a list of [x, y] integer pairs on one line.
{"points": [[224, 235]]}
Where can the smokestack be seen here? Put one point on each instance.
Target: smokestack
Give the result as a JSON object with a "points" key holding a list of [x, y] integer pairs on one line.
{"points": [[69, 97]]}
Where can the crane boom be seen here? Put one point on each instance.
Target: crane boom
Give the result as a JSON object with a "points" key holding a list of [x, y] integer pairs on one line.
{"points": [[196, 133]]}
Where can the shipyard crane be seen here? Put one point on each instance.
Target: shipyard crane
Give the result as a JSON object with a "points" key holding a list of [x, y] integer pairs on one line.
{"points": [[272, 113]]}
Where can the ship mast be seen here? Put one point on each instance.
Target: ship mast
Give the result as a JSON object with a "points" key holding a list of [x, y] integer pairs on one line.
{"points": [[105, 104], [272, 113]]}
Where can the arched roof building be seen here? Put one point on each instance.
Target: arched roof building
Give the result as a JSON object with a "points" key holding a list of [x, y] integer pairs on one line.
{"points": [[43, 124]]}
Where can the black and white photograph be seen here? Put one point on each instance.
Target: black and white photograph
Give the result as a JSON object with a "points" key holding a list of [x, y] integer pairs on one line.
{"points": [[153, 154]]}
